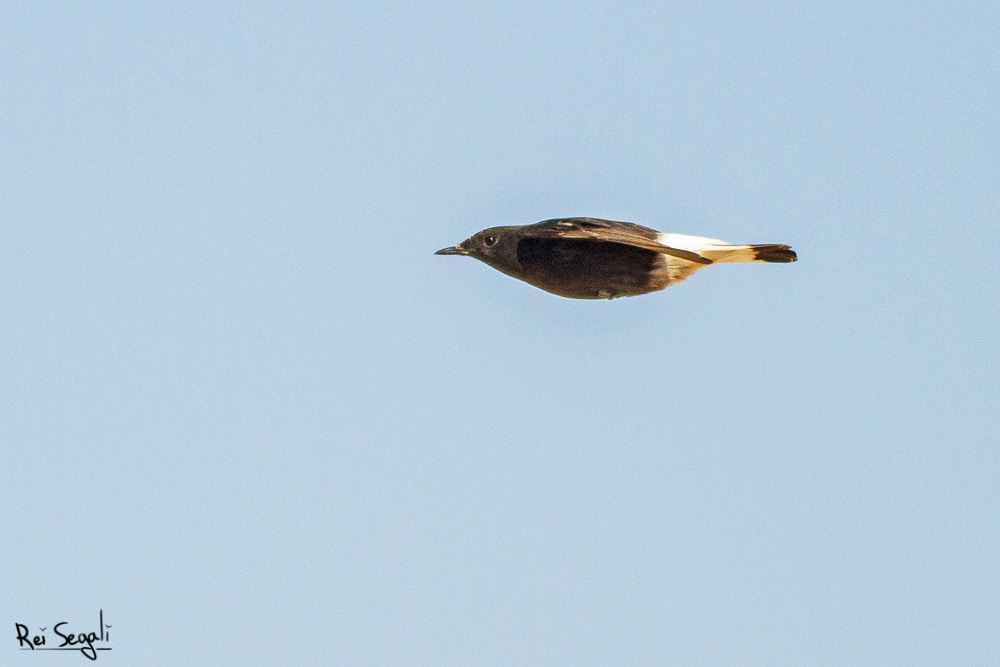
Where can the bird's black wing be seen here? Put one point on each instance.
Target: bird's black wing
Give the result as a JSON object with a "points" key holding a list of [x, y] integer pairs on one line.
{"points": [[609, 231]]}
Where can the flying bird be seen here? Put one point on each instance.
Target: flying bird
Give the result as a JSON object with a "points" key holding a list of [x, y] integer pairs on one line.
{"points": [[588, 258]]}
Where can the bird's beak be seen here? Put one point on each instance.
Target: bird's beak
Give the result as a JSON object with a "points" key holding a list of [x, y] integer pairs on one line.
{"points": [[453, 250]]}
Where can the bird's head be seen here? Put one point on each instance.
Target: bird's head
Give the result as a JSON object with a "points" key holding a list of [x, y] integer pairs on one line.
{"points": [[493, 246]]}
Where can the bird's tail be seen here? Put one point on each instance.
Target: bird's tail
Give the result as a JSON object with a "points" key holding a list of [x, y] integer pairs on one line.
{"points": [[768, 252], [720, 251]]}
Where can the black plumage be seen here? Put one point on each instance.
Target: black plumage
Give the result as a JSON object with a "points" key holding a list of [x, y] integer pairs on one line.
{"points": [[588, 258]]}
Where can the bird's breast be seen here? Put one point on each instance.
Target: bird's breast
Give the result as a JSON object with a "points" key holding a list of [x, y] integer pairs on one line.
{"points": [[583, 269]]}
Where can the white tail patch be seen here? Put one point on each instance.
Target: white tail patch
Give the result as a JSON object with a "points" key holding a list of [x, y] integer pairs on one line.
{"points": [[713, 249]]}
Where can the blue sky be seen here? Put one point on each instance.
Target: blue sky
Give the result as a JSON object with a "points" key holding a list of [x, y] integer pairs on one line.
{"points": [[250, 415]]}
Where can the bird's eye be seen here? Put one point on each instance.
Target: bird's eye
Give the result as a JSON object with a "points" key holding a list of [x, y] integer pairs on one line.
{"points": [[489, 240]]}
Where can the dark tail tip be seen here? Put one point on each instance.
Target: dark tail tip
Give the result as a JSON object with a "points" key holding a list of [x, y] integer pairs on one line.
{"points": [[774, 253]]}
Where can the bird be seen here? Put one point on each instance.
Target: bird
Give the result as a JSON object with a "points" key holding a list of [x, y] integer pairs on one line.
{"points": [[590, 258]]}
